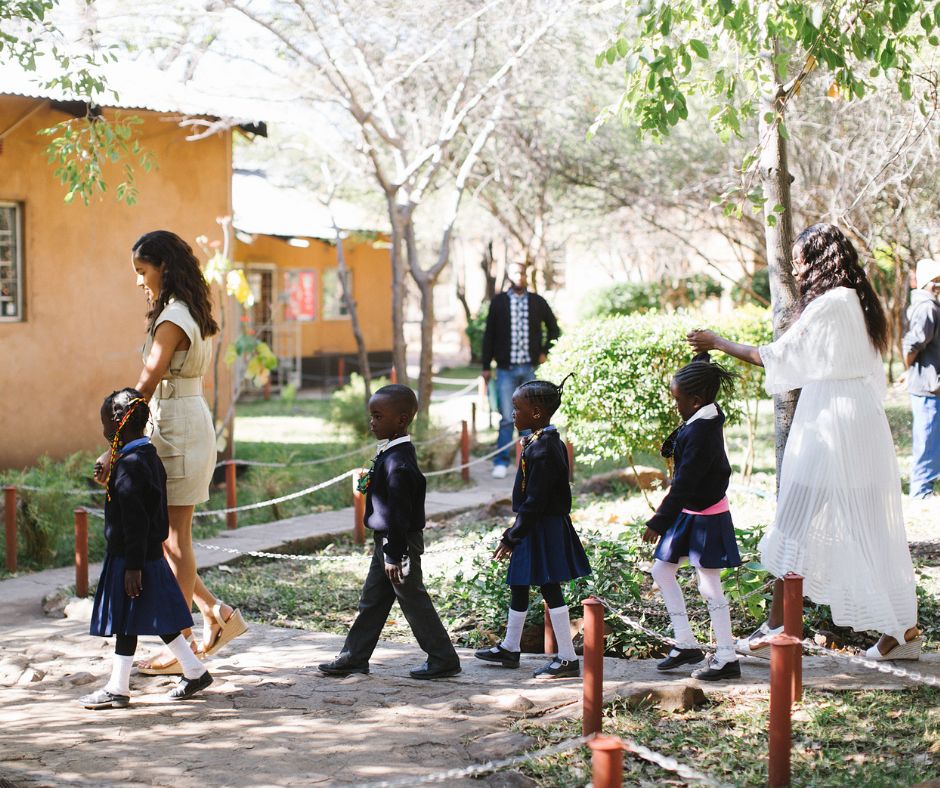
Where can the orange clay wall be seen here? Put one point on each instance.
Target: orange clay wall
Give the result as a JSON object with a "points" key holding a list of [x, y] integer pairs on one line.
{"points": [[84, 316], [372, 289]]}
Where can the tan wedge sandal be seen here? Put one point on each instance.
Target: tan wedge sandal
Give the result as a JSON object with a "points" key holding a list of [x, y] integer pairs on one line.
{"points": [[909, 650], [228, 630]]}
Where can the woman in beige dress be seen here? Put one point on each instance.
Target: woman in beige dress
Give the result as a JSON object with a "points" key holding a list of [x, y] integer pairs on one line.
{"points": [[177, 354]]}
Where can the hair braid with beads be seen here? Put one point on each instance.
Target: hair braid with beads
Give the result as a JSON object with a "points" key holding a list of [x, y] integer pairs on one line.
{"points": [[703, 378], [544, 393], [123, 409]]}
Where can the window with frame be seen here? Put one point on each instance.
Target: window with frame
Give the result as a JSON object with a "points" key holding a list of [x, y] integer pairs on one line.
{"points": [[11, 262], [334, 305]]}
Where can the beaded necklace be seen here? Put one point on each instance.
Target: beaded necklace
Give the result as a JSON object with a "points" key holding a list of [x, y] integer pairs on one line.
{"points": [[132, 406], [526, 441]]}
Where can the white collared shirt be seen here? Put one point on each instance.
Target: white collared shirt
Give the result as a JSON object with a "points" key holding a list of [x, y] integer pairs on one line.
{"points": [[386, 445], [709, 411]]}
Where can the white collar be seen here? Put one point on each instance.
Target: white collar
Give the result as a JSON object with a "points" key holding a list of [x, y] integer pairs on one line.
{"points": [[709, 411], [387, 444]]}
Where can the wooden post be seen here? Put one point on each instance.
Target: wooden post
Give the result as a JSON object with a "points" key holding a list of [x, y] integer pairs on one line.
{"points": [[473, 420], [393, 375], [606, 762], [81, 553], [464, 451], [267, 389], [593, 703], [783, 649], [341, 371], [9, 516], [359, 510], [548, 633], [231, 496], [793, 626], [570, 447]]}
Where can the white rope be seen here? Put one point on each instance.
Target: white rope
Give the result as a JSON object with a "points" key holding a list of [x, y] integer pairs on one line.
{"points": [[881, 667], [477, 461], [54, 491], [456, 381], [289, 497], [280, 556], [462, 393], [666, 762]]}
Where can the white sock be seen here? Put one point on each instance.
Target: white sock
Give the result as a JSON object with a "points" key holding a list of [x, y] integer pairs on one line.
{"points": [[561, 624], [120, 681], [514, 627], [192, 667], [664, 575], [709, 583]]}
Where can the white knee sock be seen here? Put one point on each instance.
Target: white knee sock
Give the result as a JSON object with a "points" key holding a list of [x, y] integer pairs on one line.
{"points": [[561, 625], [120, 681], [514, 630], [192, 667], [709, 583], [664, 575]]}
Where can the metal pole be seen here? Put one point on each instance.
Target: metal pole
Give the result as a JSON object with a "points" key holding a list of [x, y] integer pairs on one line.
{"points": [[231, 497], [606, 762], [81, 553], [793, 626], [782, 652], [548, 633], [464, 451], [359, 510], [9, 516], [593, 703]]}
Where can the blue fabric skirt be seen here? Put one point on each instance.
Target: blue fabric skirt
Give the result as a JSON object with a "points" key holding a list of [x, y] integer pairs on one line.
{"points": [[159, 610], [707, 540], [550, 553]]}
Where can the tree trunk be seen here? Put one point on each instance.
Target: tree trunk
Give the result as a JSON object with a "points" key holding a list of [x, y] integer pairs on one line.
{"points": [[425, 384], [778, 237], [353, 316], [399, 351]]}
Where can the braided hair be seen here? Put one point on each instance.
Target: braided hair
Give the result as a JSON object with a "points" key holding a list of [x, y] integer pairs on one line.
{"points": [[703, 378], [125, 409], [543, 393]]}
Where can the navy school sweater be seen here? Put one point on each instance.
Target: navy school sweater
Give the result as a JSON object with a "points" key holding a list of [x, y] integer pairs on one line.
{"points": [[547, 491], [395, 498], [701, 475], [135, 519]]}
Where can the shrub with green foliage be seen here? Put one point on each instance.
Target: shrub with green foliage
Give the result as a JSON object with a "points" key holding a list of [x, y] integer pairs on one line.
{"points": [[348, 404], [630, 298], [475, 329], [618, 402]]}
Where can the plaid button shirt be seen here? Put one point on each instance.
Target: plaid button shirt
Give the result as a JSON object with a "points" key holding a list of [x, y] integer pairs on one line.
{"points": [[519, 328]]}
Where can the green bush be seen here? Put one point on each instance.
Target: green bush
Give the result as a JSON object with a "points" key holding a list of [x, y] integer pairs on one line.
{"points": [[630, 298], [618, 402], [759, 284], [348, 404], [475, 329]]}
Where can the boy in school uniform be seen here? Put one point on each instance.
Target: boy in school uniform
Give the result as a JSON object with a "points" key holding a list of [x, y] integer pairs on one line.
{"points": [[395, 490]]}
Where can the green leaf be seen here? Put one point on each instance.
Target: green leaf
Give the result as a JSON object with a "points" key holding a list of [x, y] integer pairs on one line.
{"points": [[782, 128], [611, 55], [622, 47], [699, 48]]}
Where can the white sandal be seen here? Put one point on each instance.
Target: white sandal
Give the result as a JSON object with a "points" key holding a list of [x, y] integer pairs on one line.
{"points": [[909, 650], [228, 630]]}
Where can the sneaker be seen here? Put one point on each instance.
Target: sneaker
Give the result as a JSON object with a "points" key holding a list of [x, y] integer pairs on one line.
{"points": [[104, 699], [501, 656], [716, 671], [186, 688], [681, 656], [342, 666], [559, 669], [500, 471], [756, 644]]}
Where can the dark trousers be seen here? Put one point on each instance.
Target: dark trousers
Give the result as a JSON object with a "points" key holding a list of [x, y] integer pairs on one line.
{"points": [[378, 596]]}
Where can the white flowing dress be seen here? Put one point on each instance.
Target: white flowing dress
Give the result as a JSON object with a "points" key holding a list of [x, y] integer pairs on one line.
{"points": [[839, 521]]}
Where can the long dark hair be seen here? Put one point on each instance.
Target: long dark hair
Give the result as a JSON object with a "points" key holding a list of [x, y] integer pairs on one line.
{"points": [[182, 278], [828, 260]]}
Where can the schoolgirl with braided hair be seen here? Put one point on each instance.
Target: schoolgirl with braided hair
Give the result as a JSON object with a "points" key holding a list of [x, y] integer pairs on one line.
{"points": [[137, 593], [693, 523], [542, 546]]}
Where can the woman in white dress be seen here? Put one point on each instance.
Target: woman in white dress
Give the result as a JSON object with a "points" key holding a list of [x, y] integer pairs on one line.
{"points": [[839, 522], [177, 354]]}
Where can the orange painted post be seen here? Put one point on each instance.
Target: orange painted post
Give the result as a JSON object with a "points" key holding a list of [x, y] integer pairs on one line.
{"points": [[548, 633], [9, 516], [267, 389], [570, 446], [341, 371], [783, 650], [359, 510], [231, 497], [593, 703], [606, 762], [464, 451], [793, 626], [81, 553], [393, 375]]}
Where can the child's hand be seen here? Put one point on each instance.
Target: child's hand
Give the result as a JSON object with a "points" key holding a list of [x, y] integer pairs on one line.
{"points": [[650, 536], [133, 582], [502, 552], [101, 467], [393, 573]]}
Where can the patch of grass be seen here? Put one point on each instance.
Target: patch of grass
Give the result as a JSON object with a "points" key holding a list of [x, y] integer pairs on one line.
{"points": [[874, 738], [317, 408]]}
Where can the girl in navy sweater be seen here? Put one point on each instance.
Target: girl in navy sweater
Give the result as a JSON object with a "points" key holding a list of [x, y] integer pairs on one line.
{"points": [[137, 593], [693, 522], [542, 546]]}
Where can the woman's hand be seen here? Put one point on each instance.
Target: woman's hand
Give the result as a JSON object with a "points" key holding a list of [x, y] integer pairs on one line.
{"points": [[101, 467], [702, 340], [502, 552], [650, 536], [133, 582]]}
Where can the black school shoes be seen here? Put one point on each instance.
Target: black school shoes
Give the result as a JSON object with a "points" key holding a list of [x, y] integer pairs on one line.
{"points": [[681, 656], [189, 687], [499, 656]]}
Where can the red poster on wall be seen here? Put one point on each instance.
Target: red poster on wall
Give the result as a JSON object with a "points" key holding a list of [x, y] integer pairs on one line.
{"points": [[300, 288]]}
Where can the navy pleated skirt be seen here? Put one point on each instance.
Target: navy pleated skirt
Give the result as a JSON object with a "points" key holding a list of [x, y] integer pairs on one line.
{"points": [[707, 540], [550, 553], [159, 610]]}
